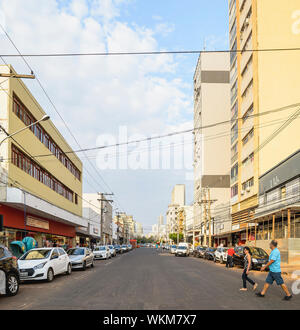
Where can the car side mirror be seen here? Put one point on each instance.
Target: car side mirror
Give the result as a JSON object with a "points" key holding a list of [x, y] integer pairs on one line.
{"points": [[54, 257]]}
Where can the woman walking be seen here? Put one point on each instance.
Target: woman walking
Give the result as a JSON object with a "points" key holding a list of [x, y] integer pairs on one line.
{"points": [[247, 266]]}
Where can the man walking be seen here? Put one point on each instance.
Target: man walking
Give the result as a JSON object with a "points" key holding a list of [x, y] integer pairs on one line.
{"points": [[275, 272], [229, 261]]}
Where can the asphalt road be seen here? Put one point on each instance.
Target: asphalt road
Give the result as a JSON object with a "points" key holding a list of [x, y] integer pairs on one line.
{"points": [[148, 279]]}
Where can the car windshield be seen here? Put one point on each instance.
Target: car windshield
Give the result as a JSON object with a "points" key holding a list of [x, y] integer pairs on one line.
{"points": [[76, 252], [117, 246], [181, 248], [173, 246], [259, 252], [211, 249], [36, 255], [125, 246], [111, 247], [99, 248]]}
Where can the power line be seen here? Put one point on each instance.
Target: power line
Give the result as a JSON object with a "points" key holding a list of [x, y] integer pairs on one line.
{"points": [[179, 144], [174, 133], [151, 52]]}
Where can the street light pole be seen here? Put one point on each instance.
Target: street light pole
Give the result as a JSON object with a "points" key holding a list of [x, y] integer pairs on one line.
{"points": [[44, 118]]}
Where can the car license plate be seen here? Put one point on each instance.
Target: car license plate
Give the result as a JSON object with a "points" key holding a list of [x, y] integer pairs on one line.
{"points": [[24, 274]]}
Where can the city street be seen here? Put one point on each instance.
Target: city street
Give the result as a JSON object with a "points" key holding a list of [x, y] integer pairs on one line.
{"points": [[148, 279]]}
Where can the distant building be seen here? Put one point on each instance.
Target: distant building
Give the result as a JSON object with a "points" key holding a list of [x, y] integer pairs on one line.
{"points": [[98, 203]]}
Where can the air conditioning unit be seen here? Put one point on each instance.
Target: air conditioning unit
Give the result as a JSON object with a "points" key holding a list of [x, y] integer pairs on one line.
{"points": [[243, 192], [247, 21], [248, 189]]}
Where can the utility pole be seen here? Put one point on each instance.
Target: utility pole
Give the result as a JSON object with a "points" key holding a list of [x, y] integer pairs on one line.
{"points": [[102, 200], [206, 202]]}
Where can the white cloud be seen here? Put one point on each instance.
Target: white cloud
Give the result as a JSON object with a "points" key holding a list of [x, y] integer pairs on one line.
{"points": [[96, 95]]}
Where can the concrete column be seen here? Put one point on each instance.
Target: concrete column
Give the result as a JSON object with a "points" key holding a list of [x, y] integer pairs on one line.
{"points": [[273, 227], [289, 223]]}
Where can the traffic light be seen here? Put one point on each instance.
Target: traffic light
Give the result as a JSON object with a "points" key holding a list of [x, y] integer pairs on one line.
{"points": [[1, 222]]}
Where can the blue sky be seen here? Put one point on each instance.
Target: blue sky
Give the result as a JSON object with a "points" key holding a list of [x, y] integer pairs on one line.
{"points": [[150, 95]]}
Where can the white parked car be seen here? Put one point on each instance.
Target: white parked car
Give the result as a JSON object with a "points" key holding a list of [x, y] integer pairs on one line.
{"points": [[221, 255], [102, 252], [112, 250], [173, 249], [182, 251], [44, 264]]}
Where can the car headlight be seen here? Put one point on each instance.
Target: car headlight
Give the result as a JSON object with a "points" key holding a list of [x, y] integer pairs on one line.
{"points": [[254, 260], [39, 266]]}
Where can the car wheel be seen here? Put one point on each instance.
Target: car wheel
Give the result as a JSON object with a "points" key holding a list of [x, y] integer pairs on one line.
{"points": [[221, 261], [69, 269], [215, 260], [50, 275], [12, 285], [84, 266]]}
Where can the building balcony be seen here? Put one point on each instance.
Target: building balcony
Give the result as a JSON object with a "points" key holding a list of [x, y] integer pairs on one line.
{"points": [[245, 58], [247, 101], [246, 4], [234, 158], [247, 149], [247, 77]]}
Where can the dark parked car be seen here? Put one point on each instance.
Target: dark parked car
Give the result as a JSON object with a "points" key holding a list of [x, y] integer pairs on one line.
{"points": [[209, 253], [9, 273], [199, 252], [259, 257]]}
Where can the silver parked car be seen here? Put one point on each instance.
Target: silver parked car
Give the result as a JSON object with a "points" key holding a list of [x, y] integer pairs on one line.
{"points": [[81, 257]]}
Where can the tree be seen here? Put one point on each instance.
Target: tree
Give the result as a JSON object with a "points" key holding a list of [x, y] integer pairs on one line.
{"points": [[173, 237]]}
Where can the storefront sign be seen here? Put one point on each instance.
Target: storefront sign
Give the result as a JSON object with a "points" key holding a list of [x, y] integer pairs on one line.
{"points": [[283, 172], [38, 223], [95, 230]]}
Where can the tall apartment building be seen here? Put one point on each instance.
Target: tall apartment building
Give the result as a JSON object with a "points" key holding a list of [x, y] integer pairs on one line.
{"points": [[39, 196], [178, 194], [139, 230], [264, 165], [177, 200], [211, 159]]}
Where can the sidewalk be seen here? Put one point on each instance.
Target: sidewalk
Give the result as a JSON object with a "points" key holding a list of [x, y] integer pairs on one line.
{"points": [[289, 269]]}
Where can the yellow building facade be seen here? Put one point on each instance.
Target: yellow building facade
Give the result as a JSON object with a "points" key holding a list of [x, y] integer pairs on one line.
{"points": [[38, 162], [265, 78]]}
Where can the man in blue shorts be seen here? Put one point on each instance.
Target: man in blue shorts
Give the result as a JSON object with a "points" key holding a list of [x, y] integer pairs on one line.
{"points": [[275, 272]]}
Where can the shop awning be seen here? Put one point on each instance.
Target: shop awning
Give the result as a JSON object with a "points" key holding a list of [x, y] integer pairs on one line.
{"points": [[41, 208]]}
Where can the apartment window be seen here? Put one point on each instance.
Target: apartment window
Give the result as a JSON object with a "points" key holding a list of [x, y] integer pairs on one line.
{"points": [[234, 92], [248, 114], [248, 184], [233, 53], [234, 111], [234, 190], [26, 164], [233, 33], [234, 173], [248, 137], [234, 132], [23, 113]]}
